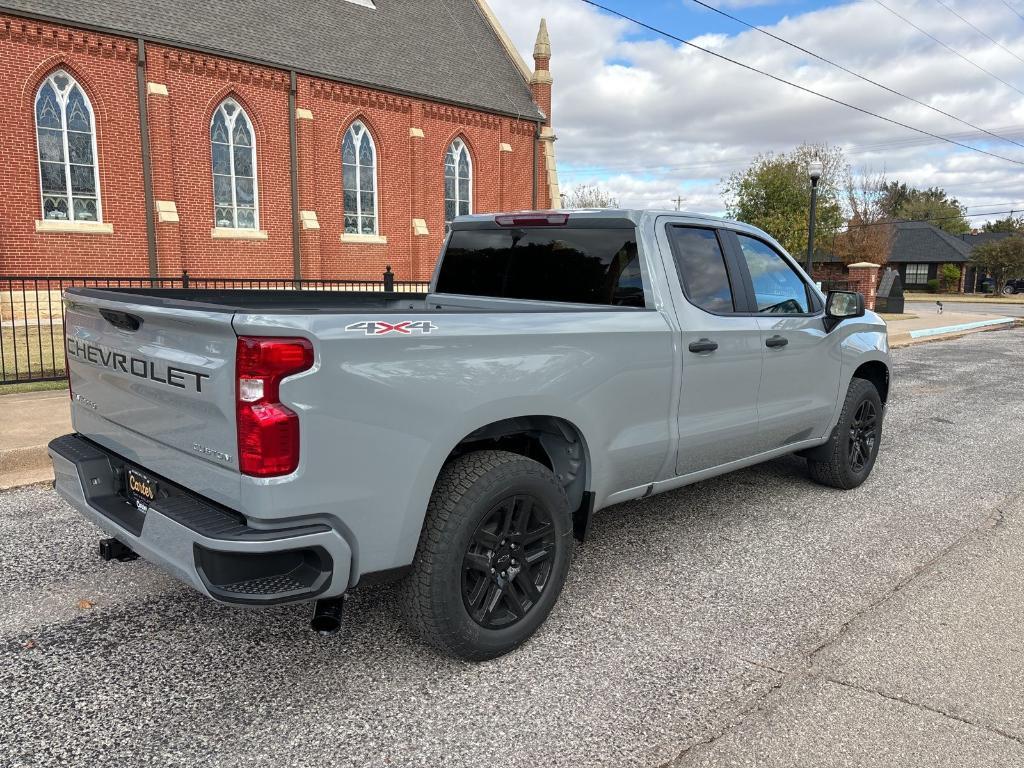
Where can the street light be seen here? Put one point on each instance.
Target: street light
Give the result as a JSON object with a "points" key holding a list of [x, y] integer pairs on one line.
{"points": [[814, 169]]}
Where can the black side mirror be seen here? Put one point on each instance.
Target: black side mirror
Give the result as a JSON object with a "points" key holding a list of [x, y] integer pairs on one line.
{"points": [[841, 305]]}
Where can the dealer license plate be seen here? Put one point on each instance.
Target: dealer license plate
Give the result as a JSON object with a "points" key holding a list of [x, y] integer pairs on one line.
{"points": [[141, 489]]}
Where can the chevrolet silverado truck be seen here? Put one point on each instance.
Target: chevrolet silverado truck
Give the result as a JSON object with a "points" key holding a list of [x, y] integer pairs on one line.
{"points": [[270, 447]]}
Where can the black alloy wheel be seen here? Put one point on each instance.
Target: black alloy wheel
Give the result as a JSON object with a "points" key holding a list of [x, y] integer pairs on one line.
{"points": [[508, 562], [863, 435]]}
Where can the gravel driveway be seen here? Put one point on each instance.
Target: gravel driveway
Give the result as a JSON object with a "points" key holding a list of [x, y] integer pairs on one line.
{"points": [[678, 616]]}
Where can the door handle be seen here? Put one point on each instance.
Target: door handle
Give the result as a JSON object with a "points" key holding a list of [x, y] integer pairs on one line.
{"points": [[776, 341], [703, 345]]}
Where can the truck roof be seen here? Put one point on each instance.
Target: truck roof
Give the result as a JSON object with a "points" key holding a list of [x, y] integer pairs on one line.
{"points": [[608, 217], [632, 214]]}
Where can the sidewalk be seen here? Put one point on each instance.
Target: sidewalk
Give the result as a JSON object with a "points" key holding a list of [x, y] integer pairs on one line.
{"points": [[930, 326], [30, 421], [929, 676]]}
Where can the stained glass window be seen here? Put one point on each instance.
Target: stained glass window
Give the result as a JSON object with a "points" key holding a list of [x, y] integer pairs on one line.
{"points": [[458, 181], [66, 141], [235, 193], [359, 180]]}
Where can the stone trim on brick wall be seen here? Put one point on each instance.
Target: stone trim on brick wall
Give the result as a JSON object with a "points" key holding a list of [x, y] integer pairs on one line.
{"points": [[75, 227]]}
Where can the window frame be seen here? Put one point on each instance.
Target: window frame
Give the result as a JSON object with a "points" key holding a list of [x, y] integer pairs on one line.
{"points": [[230, 124], [732, 240], [917, 268], [366, 136], [740, 300], [62, 100], [469, 159]]}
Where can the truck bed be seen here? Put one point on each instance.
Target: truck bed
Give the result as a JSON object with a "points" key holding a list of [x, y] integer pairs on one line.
{"points": [[245, 300], [249, 301]]}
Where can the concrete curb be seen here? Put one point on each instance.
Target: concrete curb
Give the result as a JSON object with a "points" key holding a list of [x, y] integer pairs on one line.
{"points": [[900, 340], [24, 466], [922, 332]]}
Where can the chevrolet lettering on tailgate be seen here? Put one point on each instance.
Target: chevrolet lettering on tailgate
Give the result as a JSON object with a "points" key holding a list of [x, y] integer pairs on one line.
{"points": [[181, 378]]}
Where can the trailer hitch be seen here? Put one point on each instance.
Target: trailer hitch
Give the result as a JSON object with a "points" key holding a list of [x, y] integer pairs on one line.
{"points": [[112, 549]]}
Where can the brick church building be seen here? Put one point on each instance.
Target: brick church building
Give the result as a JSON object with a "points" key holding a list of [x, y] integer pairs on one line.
{"points": [[246, 139]]}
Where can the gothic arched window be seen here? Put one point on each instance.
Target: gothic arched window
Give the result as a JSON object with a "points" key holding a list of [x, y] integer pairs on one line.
{"points": [[359, 180], [235, 193], [69, 178]]}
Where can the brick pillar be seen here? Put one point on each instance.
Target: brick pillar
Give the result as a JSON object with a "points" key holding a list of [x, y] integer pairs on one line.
{"points": [[161, 151], [419, 257], [504, 164], [309, 224], [864, 277]]}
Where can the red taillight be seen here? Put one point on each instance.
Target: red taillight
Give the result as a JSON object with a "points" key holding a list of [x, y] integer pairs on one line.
{"points": [[268, 432], [532, 220]]}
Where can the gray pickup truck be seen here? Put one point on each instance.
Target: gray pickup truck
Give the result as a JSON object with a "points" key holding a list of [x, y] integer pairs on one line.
{"points": [[283, 446]]}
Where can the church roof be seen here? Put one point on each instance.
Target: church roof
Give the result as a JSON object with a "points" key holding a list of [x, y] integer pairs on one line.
{"points": [[444, 50]]}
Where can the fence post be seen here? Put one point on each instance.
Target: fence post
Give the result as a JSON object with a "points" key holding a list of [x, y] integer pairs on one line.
{"points": [[389, 279], [184, 278]]}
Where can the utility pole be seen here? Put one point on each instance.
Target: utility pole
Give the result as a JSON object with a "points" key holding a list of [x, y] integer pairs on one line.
{"points": [[679, 203]]}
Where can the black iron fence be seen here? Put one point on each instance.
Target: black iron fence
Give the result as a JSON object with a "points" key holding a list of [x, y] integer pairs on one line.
{"points": [[32, 316]]}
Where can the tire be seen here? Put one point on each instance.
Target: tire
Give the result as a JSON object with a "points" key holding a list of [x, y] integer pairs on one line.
{"points": [[1009, 290], [846, 460], [469, 594]]}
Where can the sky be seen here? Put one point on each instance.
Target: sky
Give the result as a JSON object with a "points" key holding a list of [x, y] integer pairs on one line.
{"points": [[653, 120]]}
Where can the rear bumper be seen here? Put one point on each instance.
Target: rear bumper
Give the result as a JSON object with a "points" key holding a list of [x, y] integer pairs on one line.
{"points": [[201, 543]]}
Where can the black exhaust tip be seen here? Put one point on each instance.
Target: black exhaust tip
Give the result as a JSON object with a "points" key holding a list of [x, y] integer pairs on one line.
{"points": [[327, 615]]}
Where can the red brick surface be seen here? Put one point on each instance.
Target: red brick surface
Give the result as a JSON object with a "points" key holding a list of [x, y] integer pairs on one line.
{"points": [[410, 170]]}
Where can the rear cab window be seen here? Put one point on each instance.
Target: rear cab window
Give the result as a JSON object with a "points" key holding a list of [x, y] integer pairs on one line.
{"points": [[582, 265], [700, 263]]}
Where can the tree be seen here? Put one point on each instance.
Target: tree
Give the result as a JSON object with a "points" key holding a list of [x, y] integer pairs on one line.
{"points": [[900, 201], [1012, 224], [868, 234], [774, 193], [589, 196], [1002, 259]]}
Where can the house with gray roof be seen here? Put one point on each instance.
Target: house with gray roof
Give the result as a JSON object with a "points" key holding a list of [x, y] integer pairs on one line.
{"points": [[918, 252]]}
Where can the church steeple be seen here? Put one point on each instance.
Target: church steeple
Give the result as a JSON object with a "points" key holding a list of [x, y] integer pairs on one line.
{"points": [[541, 81]]}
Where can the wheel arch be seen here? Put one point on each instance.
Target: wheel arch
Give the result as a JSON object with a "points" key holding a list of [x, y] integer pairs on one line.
{"points": [[876, 372], [551, 440]]}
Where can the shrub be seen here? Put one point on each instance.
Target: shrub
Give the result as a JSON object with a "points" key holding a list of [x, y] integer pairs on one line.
{"points": [[949, 277], [933, 285]]}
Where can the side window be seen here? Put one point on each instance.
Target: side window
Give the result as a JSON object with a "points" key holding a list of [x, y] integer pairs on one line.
{"points": [[701, 266], [777, 286]]}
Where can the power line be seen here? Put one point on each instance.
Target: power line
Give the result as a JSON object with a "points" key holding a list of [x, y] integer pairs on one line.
{"points": [[738, 160], [790, 83], [949, 48], [1012, 8], [848, 71], [735, 161], [980, 32]]}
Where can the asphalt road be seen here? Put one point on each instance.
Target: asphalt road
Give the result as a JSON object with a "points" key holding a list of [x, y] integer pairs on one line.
{"points": [[980, 308], [683, 618]]}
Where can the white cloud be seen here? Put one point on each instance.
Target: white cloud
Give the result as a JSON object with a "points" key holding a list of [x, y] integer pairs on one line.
{"points": [[652, 120]]}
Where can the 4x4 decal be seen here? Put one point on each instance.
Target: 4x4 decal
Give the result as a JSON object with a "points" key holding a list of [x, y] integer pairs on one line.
{"points": [[380, 328]]}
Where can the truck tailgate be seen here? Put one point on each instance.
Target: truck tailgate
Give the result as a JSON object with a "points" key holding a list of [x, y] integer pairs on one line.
{"points": [[165, 375]]}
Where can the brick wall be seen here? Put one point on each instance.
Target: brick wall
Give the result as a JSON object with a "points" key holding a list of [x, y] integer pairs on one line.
{"points": [[184, 90], [105, 67]]}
